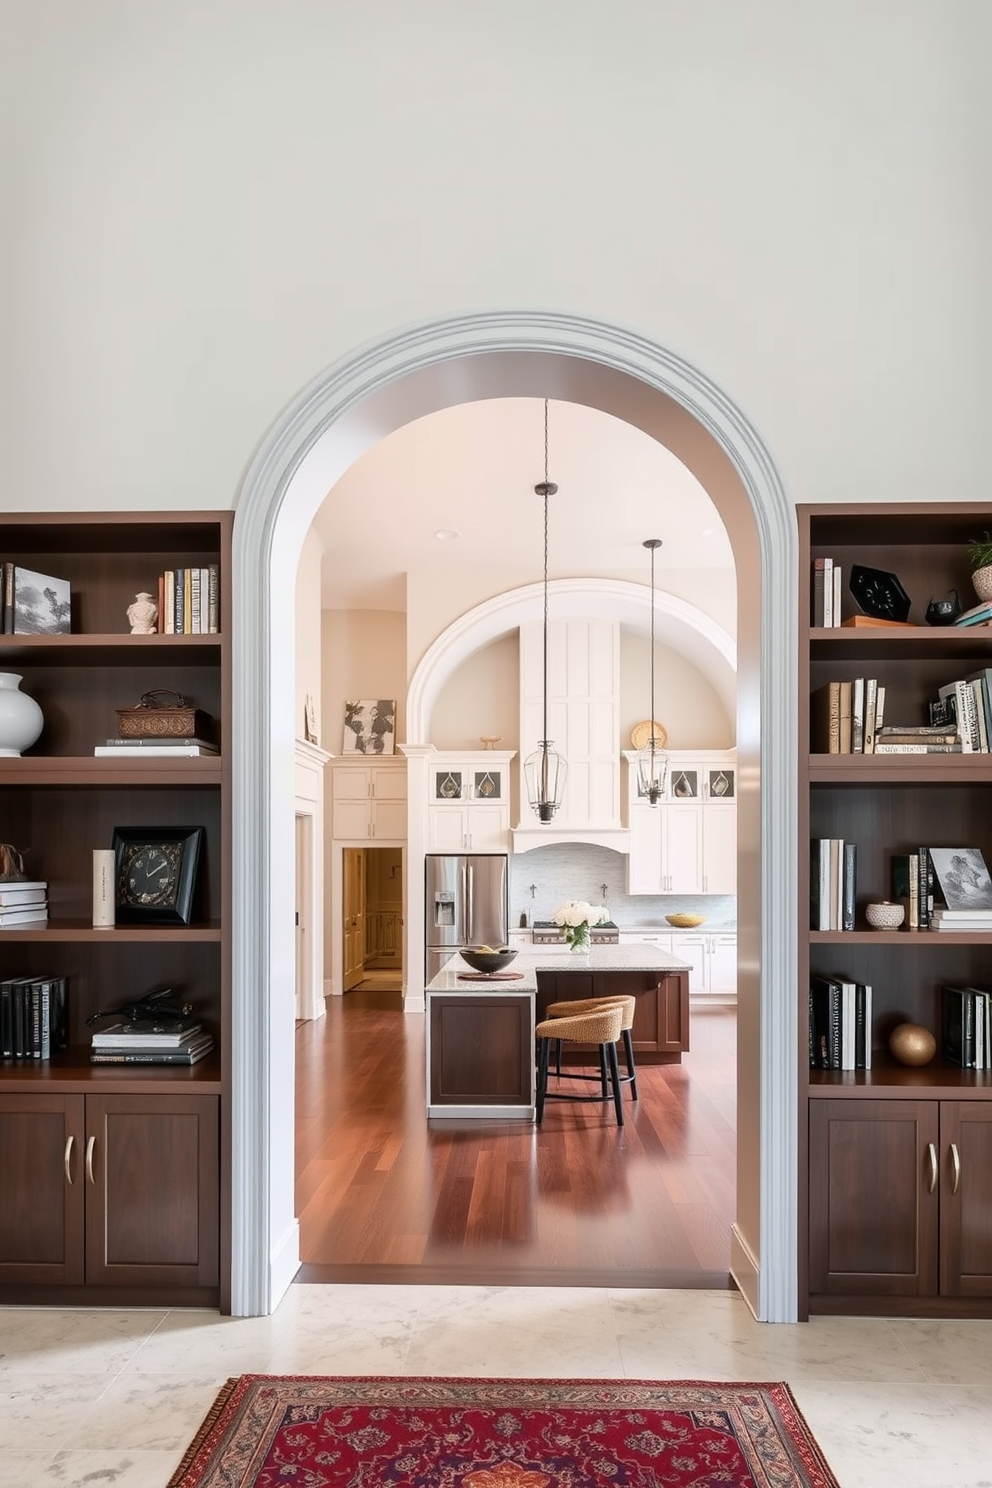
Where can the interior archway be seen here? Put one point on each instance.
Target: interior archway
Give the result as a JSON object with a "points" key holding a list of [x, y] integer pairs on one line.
{"points": [[340, 415]]}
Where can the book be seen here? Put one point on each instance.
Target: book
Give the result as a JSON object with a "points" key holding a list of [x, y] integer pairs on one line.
{"points": [[37, 603], [981, 683], [19, 896], [977, 694], [858, 715], [925, 871], [879, 708], [148, 1035], [964, 712], [169, 602], [27, 915], [905, 886], [922, 732], [825, 719], [849, 884], [837, 594], [957, 1026], [159, 742], [871, 703], [191, 1054], [824, 1003], [862, 1026], [981, 611], [848, 1025], [958, 927], [213, 599], [844, 712], [156, 751], [836, 852], [961, 916], [822, 582], [887, 748], [962, 877]]}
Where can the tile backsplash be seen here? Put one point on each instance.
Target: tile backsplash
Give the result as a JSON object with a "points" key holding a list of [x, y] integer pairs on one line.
{"points": [[545, 877]]}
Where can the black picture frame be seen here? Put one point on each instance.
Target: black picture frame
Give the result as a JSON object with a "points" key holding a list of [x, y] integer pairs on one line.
{"points": [[172, 902]]}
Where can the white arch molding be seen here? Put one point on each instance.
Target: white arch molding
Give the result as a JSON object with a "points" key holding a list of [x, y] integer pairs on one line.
{"points": [[346, 410]]}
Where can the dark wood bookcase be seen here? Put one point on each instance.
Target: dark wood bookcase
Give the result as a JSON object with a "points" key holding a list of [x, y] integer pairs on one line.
{"points": [[896, 1193], [115, 1176]]}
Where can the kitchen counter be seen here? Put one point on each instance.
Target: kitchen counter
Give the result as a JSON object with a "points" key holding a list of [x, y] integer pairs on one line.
{"points": [[480, 1034]]}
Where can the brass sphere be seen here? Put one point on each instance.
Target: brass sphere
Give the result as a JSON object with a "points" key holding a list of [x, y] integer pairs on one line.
{"points": [[911, 1044]]}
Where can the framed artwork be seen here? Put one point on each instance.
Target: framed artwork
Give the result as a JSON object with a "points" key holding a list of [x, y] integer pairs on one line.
{"points": [[310, 721], [370, 726], [39, 604], [154, 874]]}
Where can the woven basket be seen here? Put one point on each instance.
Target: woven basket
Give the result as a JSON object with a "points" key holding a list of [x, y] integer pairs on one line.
{"points": [[162, 714]]}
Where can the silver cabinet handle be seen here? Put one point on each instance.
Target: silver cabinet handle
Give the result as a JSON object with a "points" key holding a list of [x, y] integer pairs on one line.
{"points": [[90, 1146], [471, 905], [955, 1168], [70, 1142], [932, 1155]]}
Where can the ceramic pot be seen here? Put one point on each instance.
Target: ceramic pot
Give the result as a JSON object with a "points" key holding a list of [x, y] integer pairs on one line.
{"points": [[982, 580], [21, 720], [885, 915], [912, 1044]]}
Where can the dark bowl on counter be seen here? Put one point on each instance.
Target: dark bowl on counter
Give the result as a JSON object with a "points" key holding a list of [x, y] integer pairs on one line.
{"points": [[488, 960]]}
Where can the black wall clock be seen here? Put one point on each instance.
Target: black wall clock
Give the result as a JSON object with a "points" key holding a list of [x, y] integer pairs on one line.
{"points": [[879, 593], [154, 874]]}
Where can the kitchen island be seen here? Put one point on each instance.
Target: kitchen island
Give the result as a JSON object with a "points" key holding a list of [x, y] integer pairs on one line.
{"points": [[480, 1034]]}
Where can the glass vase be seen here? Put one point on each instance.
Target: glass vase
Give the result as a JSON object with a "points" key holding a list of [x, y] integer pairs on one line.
{"points": [[578, 938]]}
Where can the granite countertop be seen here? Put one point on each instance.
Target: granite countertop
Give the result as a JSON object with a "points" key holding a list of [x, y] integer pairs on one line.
{"points": [[634, 956]]}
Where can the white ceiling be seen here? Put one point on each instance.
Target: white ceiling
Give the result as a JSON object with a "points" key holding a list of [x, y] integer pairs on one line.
{"points": [[472, 469]]}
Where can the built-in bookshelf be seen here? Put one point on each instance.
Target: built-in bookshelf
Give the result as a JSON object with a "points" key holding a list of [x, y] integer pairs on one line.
{"points": [[898, 1178], [118, 1167]]}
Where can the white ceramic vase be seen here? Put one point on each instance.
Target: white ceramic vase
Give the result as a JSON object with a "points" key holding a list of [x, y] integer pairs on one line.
{"points": [[142, 614], [21, 720]]}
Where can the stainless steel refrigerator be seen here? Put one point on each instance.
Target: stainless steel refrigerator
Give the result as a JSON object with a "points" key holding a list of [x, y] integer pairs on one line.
{"points": [[466, 904]]}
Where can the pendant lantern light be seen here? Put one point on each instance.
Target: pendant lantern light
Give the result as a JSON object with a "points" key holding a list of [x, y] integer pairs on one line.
{"points": [[652, 761], [544, 770]]}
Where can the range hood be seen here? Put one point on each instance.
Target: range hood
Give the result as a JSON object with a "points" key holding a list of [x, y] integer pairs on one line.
{"points": [[549, 835]]}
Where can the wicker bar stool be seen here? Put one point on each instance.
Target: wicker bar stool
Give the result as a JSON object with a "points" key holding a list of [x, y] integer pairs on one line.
{"points": [[576, 1009], [602, 1027]]}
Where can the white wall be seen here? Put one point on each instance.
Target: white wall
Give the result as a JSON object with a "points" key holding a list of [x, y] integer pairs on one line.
{"points": [[364, 656], [210, 201]]}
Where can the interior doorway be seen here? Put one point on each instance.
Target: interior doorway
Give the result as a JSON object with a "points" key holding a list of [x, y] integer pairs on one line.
{"points": [[351, 406], [372, 918]]}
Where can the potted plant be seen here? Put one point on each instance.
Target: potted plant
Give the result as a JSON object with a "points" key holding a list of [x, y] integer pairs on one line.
{"points": [[980, 557]]}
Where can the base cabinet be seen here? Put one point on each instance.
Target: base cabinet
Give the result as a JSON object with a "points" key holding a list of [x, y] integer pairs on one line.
{"points": [[900, 1201], [661, 1018], [110, 1190]]}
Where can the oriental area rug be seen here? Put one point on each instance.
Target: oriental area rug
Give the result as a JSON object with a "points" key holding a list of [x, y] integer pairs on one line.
{"points": [[269, 1431]]}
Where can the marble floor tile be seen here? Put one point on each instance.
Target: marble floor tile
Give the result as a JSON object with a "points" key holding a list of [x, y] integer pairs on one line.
{"points": [[148, 1412], [94, 1340], [205, 1343], [43, 1413], [949, 1352], [114, 1469]]}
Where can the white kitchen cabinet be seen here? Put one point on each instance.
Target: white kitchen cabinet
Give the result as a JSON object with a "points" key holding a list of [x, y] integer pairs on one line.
{"points": [[719, 848], [666, 849], [721, 971], [369, 800], [691, 946], [468, 809]]}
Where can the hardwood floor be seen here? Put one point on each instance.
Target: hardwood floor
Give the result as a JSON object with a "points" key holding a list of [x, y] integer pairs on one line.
{"points": [[385, 1195]]}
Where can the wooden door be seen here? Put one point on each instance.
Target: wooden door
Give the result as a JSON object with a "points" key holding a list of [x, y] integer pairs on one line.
{"points": [[353, 906], [873, 1197], [966, 1198], [42, 1139], [152, 1178]]}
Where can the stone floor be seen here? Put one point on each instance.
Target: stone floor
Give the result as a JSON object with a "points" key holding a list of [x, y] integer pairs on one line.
{"points": [[112, 1398]]}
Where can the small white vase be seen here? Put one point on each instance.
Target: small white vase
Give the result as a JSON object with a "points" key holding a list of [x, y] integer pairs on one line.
{"points": [[21, 720], [885, 915]]}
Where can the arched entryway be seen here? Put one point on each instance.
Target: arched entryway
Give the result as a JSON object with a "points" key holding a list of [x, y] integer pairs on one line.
{"points": [[342, 414]]}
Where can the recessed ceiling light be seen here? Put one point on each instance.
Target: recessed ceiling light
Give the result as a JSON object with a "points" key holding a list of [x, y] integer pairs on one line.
{"points": [[446, 534]]}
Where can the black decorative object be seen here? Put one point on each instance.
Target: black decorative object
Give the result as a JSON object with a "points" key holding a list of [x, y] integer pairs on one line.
{"points": [[944, 611], [879, 593], [154, 872]]}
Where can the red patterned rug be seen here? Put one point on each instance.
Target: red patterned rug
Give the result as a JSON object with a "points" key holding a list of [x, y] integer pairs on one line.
{"points": [[270, 1431]]}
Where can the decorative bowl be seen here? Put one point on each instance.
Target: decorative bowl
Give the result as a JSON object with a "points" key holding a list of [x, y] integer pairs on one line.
{"points": [[488, 961], [885, 915], [685, 921]]}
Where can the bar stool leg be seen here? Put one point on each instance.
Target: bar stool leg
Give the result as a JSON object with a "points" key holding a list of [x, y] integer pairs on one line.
{"points": [[628, 1049], [543, 1055], [611, 1054]]}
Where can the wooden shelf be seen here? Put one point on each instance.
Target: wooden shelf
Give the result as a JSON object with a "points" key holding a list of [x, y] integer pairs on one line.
{"points": [[899, 769], [102, 771], [73, 1071], [81, 932], [890, 1081], [110, 650], [918, 643]]}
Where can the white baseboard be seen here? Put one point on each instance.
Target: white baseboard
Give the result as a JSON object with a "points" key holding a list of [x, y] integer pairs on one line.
{"points": [[284, 1264]]}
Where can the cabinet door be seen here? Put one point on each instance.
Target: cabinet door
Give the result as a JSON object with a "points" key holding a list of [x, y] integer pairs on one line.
{"points": [[722, 965], [388, 782], [966, 1198], [388, 819], [692, 948], [152, 1180], [447, 830], [719, 825], [42, 1140], [645, 870], [683, 848], [487, 824], [351, 819], [873, 1197]]}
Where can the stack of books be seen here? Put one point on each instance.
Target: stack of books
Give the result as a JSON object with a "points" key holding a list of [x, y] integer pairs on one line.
{"points": [[947, 889], [846, 717], [156, 748], [34, 1017], [966, 704], [966, 1026], [23, 903], [147, 1042], [839, 1024], [826, 593], [189, 601], [833, 874], [980, 614]]}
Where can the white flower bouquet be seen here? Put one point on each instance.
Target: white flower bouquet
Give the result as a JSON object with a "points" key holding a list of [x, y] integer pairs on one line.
{"points": [[575, 917]]}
